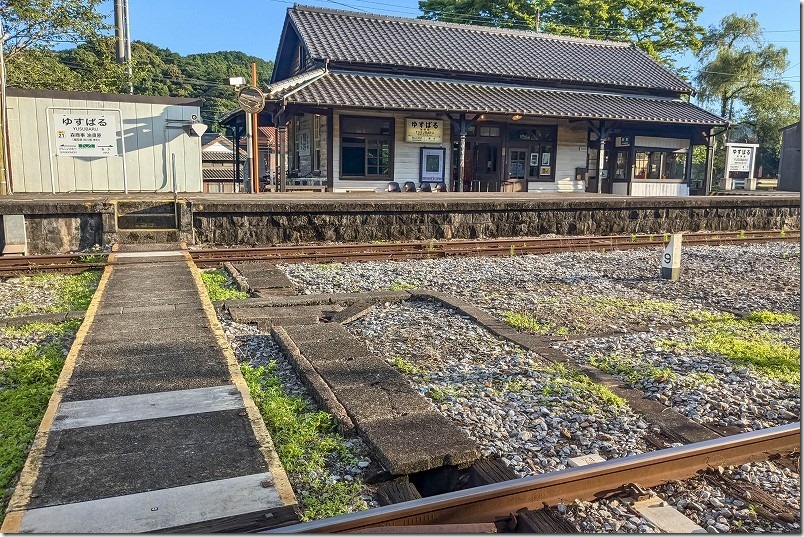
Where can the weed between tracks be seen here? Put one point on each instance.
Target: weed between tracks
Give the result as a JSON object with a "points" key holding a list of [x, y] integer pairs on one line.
{"points": [[746, 342], [305, 441], [71, 292], [580, 315], [220, 286], [28, 375]]}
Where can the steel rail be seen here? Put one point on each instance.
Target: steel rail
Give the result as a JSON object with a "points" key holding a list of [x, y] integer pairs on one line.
{"points": [[431, 249], [498, 501]]}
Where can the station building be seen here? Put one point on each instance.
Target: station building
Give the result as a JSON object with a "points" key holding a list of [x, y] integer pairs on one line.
{"points": [[369, 99]]}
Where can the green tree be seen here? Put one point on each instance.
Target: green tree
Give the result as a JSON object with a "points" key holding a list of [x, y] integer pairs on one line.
{"points": [[734, 62], [41, 69], [40, 24], [662, 29], [739, 74]]}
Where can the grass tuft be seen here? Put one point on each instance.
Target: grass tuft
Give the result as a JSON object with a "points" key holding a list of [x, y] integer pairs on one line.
{"points": [[220, 286], [27, 378], [305, 440], [73, 292], [406, 367], [571, 381]]}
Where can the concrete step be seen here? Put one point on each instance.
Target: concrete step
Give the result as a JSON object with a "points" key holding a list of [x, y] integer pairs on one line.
{"points": [[146, 207], [159, 214], [146, 221], [147, 236]]}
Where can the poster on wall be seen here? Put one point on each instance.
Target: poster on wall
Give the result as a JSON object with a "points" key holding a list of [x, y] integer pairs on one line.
{"points": [[429, 131], [304, 143], [79, 134], [432, 164], [534, 159]]}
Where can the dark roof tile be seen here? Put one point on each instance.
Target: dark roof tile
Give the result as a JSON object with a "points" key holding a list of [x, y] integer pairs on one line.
{"points": [[373, 40], [390, 92]]}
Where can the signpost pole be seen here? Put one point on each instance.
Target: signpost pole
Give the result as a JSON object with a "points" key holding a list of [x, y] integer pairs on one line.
{"points": [[252, 101], [249, 154], [255, 151]]}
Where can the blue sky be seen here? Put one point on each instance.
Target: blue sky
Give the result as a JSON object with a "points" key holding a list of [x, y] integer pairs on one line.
{"points": [[254, 26]]}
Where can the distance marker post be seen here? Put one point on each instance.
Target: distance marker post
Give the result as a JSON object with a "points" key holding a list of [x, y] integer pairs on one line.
{"points": [[671, 258]]}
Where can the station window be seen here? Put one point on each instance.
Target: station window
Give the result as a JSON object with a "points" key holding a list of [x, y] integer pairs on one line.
{"points": [[366, 147], [664, 164]]}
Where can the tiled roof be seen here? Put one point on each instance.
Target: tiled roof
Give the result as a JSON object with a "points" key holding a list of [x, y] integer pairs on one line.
{"points": [[217, 173], [267, 134], [403, 93], [372, 40], [220, 156]]}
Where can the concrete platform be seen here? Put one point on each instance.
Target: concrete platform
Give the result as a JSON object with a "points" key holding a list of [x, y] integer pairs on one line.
{"points": [[66, 222], [151, 426]]}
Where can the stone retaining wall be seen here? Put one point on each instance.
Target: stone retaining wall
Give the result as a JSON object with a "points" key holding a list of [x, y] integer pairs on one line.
{"points": [[59, 226], [273, 224]]}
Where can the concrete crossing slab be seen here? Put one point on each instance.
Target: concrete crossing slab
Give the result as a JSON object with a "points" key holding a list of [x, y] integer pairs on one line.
{"points": [[158, 509], [128, 408], [109, 385], [90, 463]]}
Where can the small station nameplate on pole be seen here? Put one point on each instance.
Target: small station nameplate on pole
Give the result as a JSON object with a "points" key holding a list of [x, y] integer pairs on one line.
{"points": [[671, 258]]}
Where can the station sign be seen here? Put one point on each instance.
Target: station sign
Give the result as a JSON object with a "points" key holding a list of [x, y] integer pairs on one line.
{"points": [[85, 135], [428, 131], [740, 158]]}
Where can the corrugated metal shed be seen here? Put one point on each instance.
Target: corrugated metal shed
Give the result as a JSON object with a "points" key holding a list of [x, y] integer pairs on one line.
{"points": [[151, 130]]}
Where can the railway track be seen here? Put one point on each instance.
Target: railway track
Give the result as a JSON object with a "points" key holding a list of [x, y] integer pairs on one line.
{"points": [[496, 247], [74, 263], [63, 264], [497, 503]]}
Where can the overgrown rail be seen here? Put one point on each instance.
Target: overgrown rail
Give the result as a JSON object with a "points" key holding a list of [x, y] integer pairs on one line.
{"points": [[496, 502]]}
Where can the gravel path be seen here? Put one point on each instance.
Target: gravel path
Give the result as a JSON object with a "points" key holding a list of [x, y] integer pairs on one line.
{"points": [[754, 277]]}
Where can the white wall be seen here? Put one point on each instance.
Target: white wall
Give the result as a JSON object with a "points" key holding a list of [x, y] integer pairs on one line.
{"points": [[659, 189], [406, 155], [148, 143]]}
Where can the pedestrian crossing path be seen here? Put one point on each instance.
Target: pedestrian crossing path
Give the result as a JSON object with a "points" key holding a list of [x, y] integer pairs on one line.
{"points": [[151, 426]]}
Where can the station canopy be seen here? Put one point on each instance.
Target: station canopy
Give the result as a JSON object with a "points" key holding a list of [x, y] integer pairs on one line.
{"points": [[340, 89]]}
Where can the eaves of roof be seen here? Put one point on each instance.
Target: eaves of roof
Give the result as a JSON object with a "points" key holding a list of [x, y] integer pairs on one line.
{"points": [[385, 92]]}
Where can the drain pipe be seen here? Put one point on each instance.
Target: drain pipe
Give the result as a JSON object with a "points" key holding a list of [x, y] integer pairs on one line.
{"points": [[175, 190]]}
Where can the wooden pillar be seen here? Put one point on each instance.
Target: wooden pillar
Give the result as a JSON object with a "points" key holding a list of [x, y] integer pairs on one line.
{"points": [[688, 167], [461, 152], [281, 132], [710, 162], [330, 150], [235, 158], [602, 134]]}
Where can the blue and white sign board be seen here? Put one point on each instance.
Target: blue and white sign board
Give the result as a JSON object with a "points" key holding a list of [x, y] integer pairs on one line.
{"points": [[81, 134]]}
